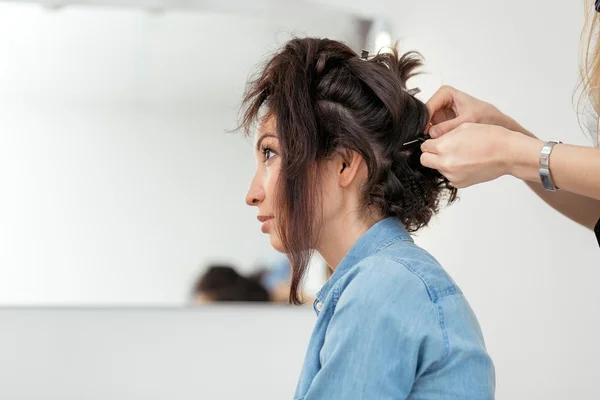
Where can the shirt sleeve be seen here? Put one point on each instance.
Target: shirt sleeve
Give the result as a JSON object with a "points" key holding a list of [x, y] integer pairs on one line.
{"points": [[384, 332]]}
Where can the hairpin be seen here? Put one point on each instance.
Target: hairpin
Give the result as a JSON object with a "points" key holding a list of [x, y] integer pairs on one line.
{"points": [[422, 138], [364, 55], [419, 139]]}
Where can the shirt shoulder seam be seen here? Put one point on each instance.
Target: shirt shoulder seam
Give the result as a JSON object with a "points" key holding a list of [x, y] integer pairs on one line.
{"points": [[434, 294]]}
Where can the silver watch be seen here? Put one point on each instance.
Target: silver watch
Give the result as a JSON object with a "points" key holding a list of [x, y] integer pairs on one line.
{"points": [[545, 176]]}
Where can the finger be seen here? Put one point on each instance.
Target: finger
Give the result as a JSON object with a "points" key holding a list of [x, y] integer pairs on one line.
{"points": [[442, 99], [428, 127], [430, 160], [442, 128], [443, 115], [430, 146]]}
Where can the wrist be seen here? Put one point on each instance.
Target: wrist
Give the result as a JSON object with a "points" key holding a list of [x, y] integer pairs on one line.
{"points": [[524, 156]]}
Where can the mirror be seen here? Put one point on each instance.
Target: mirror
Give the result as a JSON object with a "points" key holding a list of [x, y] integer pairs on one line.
{"points": [[122, 180]]}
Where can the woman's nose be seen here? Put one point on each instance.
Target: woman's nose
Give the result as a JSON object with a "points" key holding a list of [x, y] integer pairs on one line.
{"points": [[255, 195]]}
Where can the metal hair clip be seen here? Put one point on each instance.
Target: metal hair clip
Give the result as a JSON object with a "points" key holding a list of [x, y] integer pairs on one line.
{"points": [[364, 55], [416, 91], [419, 139], [422, 138]]}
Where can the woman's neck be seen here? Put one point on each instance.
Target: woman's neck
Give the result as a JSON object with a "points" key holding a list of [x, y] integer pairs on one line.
{"points": [[339, 236]]}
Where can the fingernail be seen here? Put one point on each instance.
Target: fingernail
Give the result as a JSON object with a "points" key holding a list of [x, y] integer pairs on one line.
{"points": [[434, 132]]}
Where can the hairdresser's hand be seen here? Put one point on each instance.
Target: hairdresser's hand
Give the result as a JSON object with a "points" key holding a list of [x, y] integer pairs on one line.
{"points": [[473, 153], [449, 108]]}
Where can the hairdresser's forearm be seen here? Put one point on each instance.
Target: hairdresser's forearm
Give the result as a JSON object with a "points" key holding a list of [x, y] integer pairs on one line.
{"points": [[576, 170], [581, 209]]}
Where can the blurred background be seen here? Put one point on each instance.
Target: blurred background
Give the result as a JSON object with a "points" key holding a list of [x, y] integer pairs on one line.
{"points": [[121, 178], [122, 200]]}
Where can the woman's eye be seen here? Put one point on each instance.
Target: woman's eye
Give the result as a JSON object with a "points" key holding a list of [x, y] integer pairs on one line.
{"points": [[268, 154]]}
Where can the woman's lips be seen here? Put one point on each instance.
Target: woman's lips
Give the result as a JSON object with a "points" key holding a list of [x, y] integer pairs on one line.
{"points": [[265, 222]]}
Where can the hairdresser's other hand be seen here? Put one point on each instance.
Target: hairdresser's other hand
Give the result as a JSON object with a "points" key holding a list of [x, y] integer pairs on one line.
{"points": [[473, 153], [449, 108]]}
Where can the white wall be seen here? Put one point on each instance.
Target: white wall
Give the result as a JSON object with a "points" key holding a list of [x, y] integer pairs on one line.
{"points": [[530, 274], [153, 354], [120, 205], [119, 181]]}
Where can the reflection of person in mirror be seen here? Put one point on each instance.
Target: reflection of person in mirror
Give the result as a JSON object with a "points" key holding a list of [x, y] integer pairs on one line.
{"points": [[339, 173], [222, 283], [473, 142]]}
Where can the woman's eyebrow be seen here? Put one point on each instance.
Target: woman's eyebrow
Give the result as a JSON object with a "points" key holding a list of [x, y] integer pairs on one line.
{"points": [[266, 135]]}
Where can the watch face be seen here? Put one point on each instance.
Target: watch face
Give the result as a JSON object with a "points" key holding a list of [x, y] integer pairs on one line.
{"points": [[588, 112]]}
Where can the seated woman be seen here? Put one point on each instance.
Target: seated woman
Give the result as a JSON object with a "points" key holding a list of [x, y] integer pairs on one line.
{"points": [[339, 172]]}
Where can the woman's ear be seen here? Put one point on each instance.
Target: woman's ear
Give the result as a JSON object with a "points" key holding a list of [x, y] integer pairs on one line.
{"points": [[349, 164]]}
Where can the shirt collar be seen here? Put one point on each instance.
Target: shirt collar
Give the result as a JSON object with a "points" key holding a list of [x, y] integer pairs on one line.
{"points": [[381, 235]]}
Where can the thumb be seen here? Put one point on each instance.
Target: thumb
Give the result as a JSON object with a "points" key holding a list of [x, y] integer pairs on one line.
{"points": [[444, 127], [430, 160]]}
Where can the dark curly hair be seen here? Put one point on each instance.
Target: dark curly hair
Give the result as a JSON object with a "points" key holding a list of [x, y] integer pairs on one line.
{"points": [[326, 99]]}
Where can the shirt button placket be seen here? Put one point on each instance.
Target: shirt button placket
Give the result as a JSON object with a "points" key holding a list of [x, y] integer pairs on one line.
{"points": [[318, 306]]}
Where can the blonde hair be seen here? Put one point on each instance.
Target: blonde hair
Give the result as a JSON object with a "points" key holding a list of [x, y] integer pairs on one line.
{"points": [[589, 54]]}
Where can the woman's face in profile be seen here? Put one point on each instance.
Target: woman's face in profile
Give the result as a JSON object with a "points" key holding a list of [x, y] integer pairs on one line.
{"points": [[262, 193], [262, 189]]}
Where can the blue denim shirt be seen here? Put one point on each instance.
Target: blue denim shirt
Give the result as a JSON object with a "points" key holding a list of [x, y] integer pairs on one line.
{"points": [[393, 325]]}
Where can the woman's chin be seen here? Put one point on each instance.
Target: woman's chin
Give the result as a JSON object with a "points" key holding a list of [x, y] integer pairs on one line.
{"points": [[276, 243]]}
